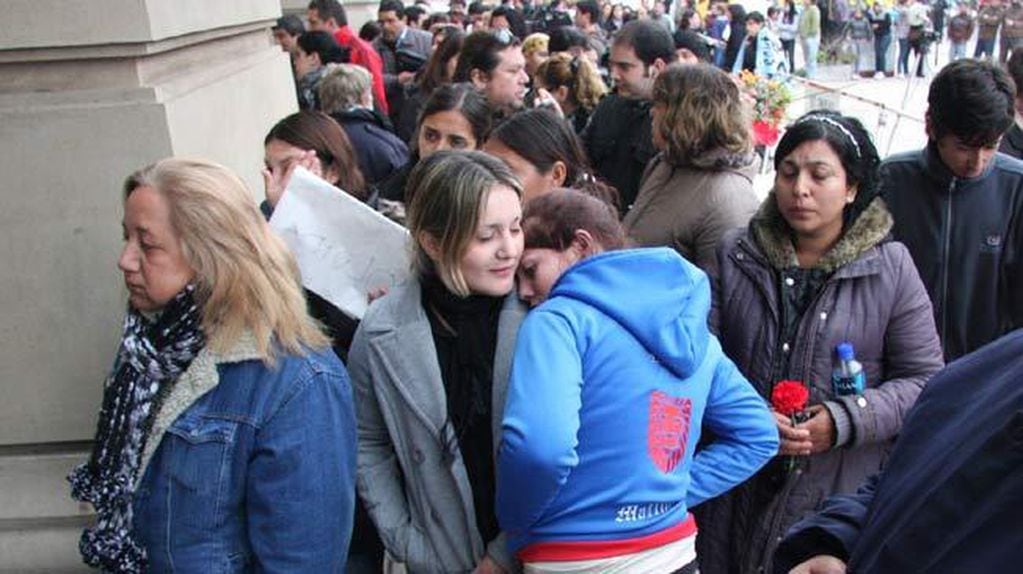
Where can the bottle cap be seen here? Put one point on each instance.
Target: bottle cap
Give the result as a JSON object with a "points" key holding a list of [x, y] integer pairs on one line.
{"points": [[845, 352]]}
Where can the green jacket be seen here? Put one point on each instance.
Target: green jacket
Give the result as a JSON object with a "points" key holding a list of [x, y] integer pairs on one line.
{"points": [[809, 22]]}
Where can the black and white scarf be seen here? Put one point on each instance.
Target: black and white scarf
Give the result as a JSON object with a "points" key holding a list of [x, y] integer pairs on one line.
{"points": [[152, 355]]}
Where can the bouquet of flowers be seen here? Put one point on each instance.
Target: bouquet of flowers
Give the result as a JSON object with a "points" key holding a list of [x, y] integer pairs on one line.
{"points": [[770, 100], [789, 398]]}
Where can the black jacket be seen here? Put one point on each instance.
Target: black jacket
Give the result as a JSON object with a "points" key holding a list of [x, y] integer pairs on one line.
{"points": [[618, 143], [966, 238], [950, 495], [378, 151]]}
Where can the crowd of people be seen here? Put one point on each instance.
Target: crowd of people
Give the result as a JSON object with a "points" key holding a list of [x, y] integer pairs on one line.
{"points": [[610, 355]]}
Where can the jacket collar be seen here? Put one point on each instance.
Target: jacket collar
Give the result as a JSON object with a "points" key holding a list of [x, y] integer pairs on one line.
{"points": [[719, 160], [770, 233], [935, 168], [200, 378], [403, 341]]}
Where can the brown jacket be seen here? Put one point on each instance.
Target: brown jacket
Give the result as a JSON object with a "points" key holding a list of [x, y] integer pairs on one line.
{"points": [[689, 208], [872, 297]]}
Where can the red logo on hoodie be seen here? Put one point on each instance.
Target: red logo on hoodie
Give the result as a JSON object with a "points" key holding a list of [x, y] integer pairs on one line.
{"points": [[668, 429]]}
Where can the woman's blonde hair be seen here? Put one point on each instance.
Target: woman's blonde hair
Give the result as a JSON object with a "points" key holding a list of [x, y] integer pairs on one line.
{"points": [[449, 190], [577, 74], [246, 279], [703, 111], [535, 42]]}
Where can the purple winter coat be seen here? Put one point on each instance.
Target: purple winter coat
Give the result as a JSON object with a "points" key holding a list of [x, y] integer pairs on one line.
{"points": [[873, 298]]}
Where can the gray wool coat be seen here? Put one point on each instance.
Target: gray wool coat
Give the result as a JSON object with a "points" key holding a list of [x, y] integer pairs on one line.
{"points": [[414, 487], [873, 298]]}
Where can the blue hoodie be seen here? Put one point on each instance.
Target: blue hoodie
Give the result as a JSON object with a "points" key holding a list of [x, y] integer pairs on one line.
{"points": [[612, 378]]}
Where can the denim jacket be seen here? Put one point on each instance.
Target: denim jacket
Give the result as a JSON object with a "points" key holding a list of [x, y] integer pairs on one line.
{"points": [[250, 468]]}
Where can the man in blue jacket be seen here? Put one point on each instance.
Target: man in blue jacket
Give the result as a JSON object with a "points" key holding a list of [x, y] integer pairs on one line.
{"points": [[950, 496], [958, 207]]}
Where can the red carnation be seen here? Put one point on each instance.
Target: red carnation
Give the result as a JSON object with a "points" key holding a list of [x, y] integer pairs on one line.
{"points": [[789, 397]]}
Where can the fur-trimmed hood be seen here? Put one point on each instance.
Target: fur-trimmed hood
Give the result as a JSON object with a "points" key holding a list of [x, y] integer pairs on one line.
{"points": [[773, 235], [716, 160]]}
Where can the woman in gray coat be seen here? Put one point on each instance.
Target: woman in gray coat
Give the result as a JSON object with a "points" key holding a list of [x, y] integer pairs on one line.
{"points": [[430, 365], [815, 268]]}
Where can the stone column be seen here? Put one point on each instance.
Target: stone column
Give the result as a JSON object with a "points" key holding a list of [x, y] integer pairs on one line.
{"points": [[90, 91]]}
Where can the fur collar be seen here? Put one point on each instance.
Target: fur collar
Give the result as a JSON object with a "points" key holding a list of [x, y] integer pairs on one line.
{"points": [[772, 235], [716, 160], [200, 378]]}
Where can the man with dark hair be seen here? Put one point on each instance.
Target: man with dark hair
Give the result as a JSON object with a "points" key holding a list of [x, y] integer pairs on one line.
{"points": [[618, 136], [414, 16], [1012, 141], [286, 32], [479, 17], [949, 497], [493, 62], [404, 51], [958, 207], [506, 17], [330, 16], [587, 19]]}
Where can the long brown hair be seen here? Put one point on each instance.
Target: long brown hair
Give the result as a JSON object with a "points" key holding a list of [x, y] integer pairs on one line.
{"points": [[312, 130]]}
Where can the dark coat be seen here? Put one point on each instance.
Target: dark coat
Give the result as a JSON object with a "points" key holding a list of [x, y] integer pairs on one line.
{"points": [[413, 45], [379, 152], [966, 237], [872, 297], [1012, 142], [619, 144], [950, 496]]}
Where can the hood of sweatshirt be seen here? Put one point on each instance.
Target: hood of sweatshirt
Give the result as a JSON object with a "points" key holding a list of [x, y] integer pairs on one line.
{"points": [[655, 294]]}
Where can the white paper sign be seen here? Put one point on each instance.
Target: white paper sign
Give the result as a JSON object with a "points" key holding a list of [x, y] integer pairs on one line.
{"points": [[344, 248]]}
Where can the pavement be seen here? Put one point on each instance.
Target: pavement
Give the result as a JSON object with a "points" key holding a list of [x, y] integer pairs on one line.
{"points": [[892, 109]]}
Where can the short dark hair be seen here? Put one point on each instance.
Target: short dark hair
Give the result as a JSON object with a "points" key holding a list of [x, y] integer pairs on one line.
{"points": [[551, 220], [480, 52], [323, 44], [565, 38], [648, 39], [395, 6], [755, 16], [370, 31], [327, 9], [972, 100], [413, 13], [1015, 69], [850, 141], [590, 8], [291, 24], [478, 8], [693, 42]]}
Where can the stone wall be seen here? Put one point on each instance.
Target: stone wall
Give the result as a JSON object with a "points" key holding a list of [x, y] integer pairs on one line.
{"points": [[90, 91]]}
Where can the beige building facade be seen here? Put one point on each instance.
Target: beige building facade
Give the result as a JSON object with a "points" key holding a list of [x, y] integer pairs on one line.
{"points": [[90, 91]]}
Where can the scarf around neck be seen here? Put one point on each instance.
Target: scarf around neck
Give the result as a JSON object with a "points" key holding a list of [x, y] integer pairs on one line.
{"points": [[151, 358]]}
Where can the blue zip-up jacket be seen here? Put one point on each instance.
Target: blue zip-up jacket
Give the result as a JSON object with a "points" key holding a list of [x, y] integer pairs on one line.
{"points": [[612, 378]]}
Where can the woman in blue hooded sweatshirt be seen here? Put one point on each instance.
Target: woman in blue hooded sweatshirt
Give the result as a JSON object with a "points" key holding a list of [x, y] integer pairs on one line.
{"points": [[614, 373]]}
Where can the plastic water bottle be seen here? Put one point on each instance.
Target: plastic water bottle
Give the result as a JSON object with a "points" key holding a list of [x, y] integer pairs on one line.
{"points": [[848, 377]]}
